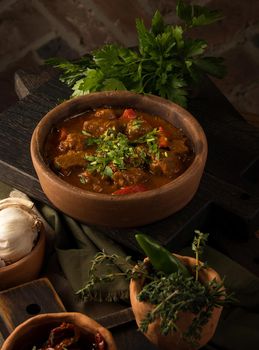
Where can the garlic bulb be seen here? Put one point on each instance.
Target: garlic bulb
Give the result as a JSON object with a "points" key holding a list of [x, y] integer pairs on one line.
{"points": [[19, 227]]}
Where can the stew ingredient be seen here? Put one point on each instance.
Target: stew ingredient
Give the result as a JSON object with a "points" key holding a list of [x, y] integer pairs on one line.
{"points": [[117, 151], [67, 336], [160, 258]]}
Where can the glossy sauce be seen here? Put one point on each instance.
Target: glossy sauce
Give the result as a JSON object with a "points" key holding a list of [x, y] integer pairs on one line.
{"points": [[72, 144]]}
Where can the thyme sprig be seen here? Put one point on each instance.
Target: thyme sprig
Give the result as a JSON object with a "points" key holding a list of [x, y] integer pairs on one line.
{"points": [[198, 244]]}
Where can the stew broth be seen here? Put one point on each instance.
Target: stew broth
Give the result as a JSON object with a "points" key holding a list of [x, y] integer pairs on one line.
{"points": [[117, 151]]}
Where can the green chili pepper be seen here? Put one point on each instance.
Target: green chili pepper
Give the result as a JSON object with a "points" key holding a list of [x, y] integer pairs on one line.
{"points": [[160, 258]]}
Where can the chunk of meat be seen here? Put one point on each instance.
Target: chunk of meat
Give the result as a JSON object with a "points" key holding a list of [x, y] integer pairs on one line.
{"points": [[96, 127], [105, 113], [70, 159], [169, 166], [179, 146], [73, 141], [128, 177], [140, 158], [137, 128], [97, 182], [62, 134]]}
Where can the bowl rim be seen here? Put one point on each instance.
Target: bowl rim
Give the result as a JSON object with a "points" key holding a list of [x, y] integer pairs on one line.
{"points": [[51, 176], [83, 322]]}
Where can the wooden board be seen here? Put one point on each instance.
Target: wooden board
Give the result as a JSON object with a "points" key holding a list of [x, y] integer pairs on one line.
{"points": [[20, 303]]}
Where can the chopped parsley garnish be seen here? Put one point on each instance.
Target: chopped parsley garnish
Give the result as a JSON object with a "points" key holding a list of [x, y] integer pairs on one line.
{"points": [[115, 150]]}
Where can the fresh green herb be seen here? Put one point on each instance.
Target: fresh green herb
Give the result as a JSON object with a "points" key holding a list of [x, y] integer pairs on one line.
{"points": [[136, 123], [116, 149], [150, 139], [161, 259], [171, 293], [166, 62], [198, 244]]}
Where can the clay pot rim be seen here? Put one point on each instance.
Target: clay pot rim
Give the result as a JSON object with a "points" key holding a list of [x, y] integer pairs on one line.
{"points": [[34, 252], [78, 319], [201, 149]]}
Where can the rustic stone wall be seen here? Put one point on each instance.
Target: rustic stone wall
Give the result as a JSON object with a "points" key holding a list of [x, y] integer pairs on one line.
{"points": [[33, 30]]}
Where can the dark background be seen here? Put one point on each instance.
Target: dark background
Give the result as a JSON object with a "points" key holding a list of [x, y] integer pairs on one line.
{"points": [[32, 30]]}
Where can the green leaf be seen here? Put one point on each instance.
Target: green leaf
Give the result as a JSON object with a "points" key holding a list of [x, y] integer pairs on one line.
{"points": [[178, 36], [177, 92], [158, 25], [184, 11], [211, 65], [108, 171], [104, 56], [194, 47], [145, 38], [195, 15], [92, 82], [205, 18], [113, 84]]}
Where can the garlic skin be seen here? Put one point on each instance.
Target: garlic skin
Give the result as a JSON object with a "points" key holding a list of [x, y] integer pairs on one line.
{"points": [[19, 227]]}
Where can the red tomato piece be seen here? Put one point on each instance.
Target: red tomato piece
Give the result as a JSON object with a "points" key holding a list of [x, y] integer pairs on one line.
{"points": [[162, 139], [129, 114], [131, 189]]}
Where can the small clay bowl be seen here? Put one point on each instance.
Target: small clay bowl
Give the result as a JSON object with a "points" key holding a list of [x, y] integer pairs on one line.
{"points": [[35, 331], [25, 269], [128, 210], [174, 340]]}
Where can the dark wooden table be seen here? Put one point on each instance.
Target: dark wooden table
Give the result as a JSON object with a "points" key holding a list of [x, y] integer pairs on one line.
{"points": [[226, 204]]}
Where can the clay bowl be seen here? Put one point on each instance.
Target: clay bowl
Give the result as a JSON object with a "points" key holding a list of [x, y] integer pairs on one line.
{"points": [[25, 269], [127, 210], [174, 340], [35, 331]]}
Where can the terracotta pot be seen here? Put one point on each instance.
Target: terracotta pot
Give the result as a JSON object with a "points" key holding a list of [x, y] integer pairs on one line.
{"points": [[25, 269], [128, 210], [36, 330], [174, 340]]}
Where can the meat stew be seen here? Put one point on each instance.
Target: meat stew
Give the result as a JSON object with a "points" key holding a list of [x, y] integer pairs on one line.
{"points": [[117, 151]]}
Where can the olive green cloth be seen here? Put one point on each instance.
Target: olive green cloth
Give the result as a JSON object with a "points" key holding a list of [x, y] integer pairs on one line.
{"points": [[76, 245]]}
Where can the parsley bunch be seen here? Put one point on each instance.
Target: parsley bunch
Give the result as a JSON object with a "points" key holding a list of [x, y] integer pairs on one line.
{"points": [[166, 62]]}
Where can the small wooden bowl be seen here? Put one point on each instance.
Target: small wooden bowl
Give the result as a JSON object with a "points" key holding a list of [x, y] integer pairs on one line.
{"points": [[128, 210], [35, 331], [25, 269], [174, 340]]}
